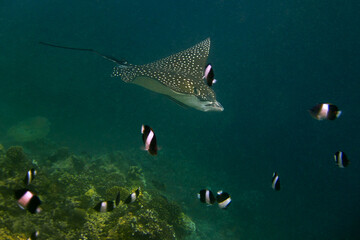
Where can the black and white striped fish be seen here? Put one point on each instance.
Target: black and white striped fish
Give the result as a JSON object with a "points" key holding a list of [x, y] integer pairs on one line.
{"points": [[149, 139], [275, 184], [133, 196], [107, 206], [34, 235], [324, 111], [223, 199], [30, 175], [28, 200], [206, 196], [341, 159], [209, 75]]}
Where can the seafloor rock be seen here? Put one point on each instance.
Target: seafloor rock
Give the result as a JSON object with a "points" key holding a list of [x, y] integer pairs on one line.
{"points": [[186, 224], [29, 130], [171, 212]]}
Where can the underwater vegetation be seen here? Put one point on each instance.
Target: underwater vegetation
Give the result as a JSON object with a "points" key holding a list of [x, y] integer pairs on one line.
{"points": [[70, 185]]}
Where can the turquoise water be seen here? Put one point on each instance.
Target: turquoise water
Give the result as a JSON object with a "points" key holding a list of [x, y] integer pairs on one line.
{"points": [[273, 62]]}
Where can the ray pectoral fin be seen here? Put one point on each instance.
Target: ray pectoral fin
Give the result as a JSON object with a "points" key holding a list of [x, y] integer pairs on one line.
{"points": [[152, 84], [179, 76], [156, 86], [181, 104]]}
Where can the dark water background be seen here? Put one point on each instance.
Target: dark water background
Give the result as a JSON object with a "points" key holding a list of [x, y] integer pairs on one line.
{"points": [[273, 61]]}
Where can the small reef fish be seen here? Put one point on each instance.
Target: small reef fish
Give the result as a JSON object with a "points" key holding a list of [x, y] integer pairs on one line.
{"points": [[324, 111], [206, 196], [149, 139], [341, 159], [34, 235], [223, 199], [275, 182], [209, 75], [107, 206], [28, 200], [133, 196], [30, 175]]}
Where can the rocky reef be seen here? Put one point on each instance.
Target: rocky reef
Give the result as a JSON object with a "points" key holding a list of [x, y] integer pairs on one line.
{"points": [[70, 185]]}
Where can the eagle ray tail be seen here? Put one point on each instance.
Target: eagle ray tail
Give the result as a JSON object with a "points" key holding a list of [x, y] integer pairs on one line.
{"points": [[107, 57]]}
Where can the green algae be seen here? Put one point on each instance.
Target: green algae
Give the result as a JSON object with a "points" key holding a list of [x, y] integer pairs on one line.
{"points": [[70, 185]]}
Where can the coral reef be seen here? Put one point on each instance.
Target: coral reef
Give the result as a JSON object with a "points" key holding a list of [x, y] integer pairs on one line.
{"points": [[2, 150], [70, 185], [135, 175], [15, 154], [7, 235], [186, 225], [14, 159], [143, 224]]}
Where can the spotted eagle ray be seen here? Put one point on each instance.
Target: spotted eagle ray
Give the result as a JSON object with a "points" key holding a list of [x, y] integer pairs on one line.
{"points": [[179, 76]]}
